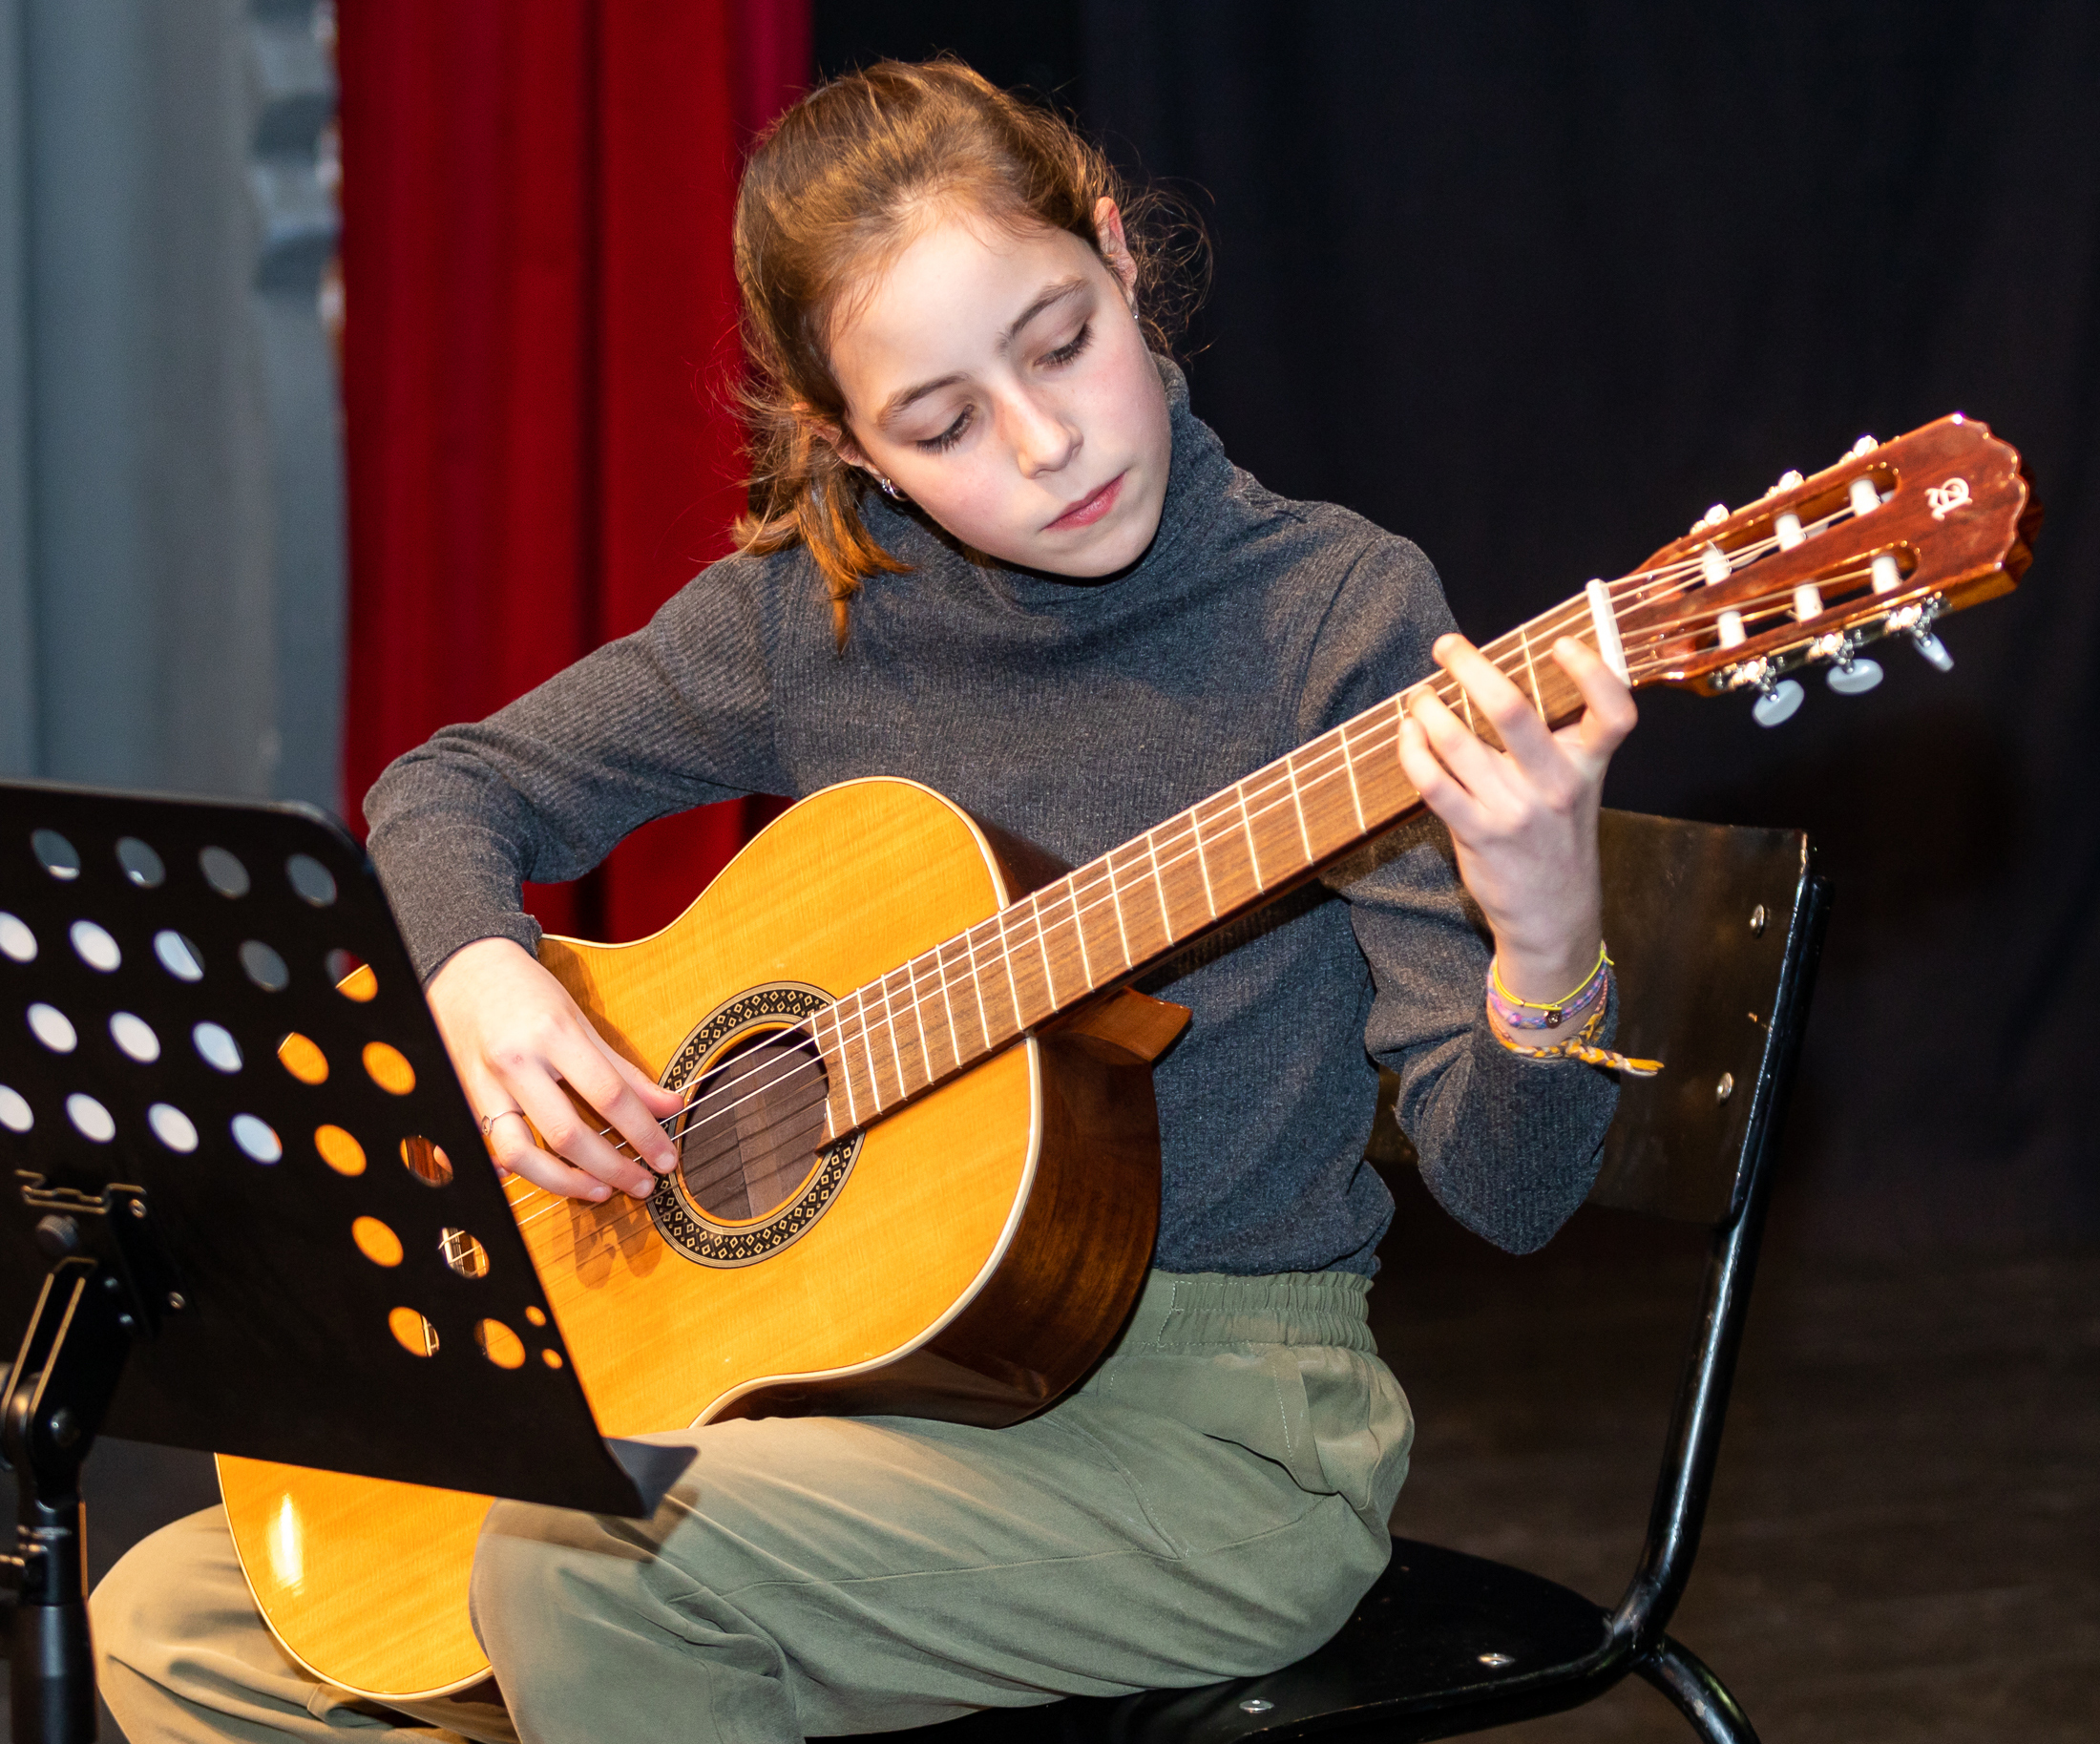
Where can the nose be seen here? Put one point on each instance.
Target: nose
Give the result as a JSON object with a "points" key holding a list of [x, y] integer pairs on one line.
{"points": [[1043, 437]]}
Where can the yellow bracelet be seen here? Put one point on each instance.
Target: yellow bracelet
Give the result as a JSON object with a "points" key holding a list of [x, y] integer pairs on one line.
{"points": [[1578, 1046], [1603, 962]]}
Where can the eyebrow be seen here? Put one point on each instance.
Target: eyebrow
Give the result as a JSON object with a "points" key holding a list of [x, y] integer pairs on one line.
{"points": [[1052, 295]]}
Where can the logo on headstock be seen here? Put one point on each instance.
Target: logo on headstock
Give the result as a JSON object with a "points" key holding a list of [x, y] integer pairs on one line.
{"points": [[1947, 498]]}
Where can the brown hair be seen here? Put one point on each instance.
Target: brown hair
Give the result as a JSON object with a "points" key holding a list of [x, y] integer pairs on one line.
{"points": [[838, 181]]}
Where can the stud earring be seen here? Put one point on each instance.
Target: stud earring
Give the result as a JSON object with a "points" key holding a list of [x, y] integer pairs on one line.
{"points": [[889, 490]]}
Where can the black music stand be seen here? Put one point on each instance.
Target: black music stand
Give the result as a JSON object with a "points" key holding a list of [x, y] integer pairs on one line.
{"points": [[241, 1211]]}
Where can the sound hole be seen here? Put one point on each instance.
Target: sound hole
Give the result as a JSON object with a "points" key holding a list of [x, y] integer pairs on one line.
{"points": [[752, 1129]]}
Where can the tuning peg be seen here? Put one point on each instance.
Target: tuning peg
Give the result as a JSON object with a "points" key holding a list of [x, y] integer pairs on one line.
{"points": [[1866, 445], [1854, 675], [1933, 649], [1776, 701]]}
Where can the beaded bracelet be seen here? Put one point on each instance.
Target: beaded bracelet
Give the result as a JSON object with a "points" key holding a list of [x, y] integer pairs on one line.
{"points": [[1578, 1046], [1511, 1010]]}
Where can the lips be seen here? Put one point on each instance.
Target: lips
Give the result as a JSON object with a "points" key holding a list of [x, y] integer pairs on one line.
{"points": [[1090, 507]]}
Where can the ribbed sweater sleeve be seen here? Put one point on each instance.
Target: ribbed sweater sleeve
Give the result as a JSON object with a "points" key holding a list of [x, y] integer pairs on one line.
{"points": [[674, 715]]}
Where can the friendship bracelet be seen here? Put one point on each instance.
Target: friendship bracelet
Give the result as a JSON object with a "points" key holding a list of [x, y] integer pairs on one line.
{"points": [[1511, 1010], [1578, 1046]]}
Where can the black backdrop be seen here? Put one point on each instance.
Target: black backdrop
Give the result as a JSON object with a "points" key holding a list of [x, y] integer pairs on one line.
{"points": [[1536, 283]]}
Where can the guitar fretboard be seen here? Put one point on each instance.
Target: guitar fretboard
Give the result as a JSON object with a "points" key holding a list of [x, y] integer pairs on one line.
{"points": [[1104, 923]]}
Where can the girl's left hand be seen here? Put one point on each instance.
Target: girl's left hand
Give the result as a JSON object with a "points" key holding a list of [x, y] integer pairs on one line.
{"points": [[1524, 819]]}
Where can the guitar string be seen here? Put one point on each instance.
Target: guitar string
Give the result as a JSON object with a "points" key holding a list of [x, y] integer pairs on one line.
{"points": [[1281, 774]]}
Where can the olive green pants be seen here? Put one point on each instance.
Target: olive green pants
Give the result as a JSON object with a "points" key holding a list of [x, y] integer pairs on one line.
{"points": [[1210, 1503]]}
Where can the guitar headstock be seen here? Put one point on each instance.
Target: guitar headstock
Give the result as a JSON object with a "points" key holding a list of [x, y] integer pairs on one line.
{"points": [[1894, 537]]}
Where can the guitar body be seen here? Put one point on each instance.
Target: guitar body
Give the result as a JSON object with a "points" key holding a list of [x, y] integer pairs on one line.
{"points": [[968, 1256]]}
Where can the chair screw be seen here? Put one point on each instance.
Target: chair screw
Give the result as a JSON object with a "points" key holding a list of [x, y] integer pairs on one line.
{"points": [[1498, 1659], [1256, 1706], [1757, 922], [1726, 1088]]}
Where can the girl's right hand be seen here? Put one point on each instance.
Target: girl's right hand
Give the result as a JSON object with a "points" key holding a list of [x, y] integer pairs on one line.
{"points": [[516, 1038]]}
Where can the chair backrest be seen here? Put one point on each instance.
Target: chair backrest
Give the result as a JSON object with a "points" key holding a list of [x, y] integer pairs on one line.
{"points": [[1716, 931], [1707, 923]]}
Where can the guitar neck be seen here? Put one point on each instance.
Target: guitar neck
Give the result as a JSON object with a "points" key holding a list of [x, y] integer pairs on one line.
{"points": [[1112, 918], [1883, 543]]}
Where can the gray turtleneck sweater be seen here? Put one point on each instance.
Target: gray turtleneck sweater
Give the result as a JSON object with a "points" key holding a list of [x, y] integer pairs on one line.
{"points": [[1076, 715]]}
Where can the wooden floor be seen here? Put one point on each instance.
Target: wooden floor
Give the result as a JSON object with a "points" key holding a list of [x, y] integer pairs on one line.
{"points": [[1905, 1540]]}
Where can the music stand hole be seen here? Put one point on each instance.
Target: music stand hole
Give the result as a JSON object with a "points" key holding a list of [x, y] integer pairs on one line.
{"points": [[263, 966], [16, 940], [339, 1150], [427, 1162], [222, 871], [90, 1119], [552, 1359], [217, 1047], [16, 1113], [499, 1344], [412, 1332], [463, 1252], [55, 855], [537, 1316], [258, 1137], [388, 1068], [179, 956], [52, 1028], [313, 881], [377, 1242], [172, 1126], [141, 865], [93, 946], [135, 1035], [352, 977], [303, 1058]]}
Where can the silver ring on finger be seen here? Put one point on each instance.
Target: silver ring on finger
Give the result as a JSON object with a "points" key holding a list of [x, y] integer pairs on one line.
{"points": [[488, 1121]]}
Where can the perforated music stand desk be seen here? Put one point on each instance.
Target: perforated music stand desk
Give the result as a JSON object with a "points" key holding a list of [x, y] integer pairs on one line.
{"points": [[176, 1245]]}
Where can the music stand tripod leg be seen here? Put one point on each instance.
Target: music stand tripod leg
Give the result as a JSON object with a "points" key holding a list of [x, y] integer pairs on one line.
{"points": [[56, 1393]]}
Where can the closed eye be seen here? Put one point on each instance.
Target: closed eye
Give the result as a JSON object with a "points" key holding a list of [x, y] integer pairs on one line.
{"points": [[1078, 343], [949, 437]]}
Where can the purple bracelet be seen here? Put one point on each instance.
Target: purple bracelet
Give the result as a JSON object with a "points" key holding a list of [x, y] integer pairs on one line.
{"points": [[1514, 1014]]}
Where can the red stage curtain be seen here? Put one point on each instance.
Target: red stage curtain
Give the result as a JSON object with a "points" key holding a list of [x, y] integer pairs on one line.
{"points": [[540, 333]]}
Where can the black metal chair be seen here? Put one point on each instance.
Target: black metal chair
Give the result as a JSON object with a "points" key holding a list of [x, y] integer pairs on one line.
{"points": [[1716, 932]]}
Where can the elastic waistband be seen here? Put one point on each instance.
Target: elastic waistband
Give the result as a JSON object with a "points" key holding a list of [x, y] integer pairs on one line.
{"points": [[1178, 1310]]}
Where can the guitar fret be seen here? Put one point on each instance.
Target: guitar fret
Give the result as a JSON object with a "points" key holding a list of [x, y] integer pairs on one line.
{"points": [[1043, 949], [954, 1031], [1107, 954], [1115, 897], [838, 1077], [1144, 939], [1227, 851], [889, 1026], [919, 1020], [1246, 829], [976, 985], [867, 1046], [921, 1005], [1006, 960], [1297, 804], [1068, 890]]}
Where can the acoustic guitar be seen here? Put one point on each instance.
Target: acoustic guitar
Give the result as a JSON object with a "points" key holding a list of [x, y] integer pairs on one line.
{"points": [[920, 1158]]}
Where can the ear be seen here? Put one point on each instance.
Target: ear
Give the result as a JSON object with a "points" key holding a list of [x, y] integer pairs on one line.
{"points": [[830, 431], [1114, 249]]}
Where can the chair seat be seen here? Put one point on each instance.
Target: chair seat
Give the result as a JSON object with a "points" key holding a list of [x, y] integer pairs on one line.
{"points": [[1441, 1633]]}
